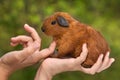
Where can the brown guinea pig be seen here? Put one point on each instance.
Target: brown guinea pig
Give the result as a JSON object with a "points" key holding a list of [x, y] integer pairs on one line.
{"points": [[70, 35]]}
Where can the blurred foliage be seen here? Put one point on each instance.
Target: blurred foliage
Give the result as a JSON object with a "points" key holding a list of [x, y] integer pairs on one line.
{"points": [[103, 15]]}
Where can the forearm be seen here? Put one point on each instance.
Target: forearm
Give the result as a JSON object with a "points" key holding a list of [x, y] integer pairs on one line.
{"points": [[47, 70], [43, 75]]}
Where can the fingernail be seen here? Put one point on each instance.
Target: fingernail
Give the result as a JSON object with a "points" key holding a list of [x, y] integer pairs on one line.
{"points": [[101, 55], [108, 53], [12, 38], [112, 60], [26, 25], [84, 45], [54, 42]]}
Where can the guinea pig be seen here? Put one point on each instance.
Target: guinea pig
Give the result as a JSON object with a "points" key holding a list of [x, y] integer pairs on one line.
{"points": [[70, 34]]}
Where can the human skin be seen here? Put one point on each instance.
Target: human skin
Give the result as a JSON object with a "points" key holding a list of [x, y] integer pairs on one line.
{"points": [[70, 34], [30, 54], [47, 70]]}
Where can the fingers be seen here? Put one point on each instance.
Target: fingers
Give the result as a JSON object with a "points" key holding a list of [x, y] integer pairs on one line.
{"points": [[46, 52], [109, 64], [94, 68], [106, 62], [28, 51], [97, 65], [83, 54], [25, 39], [32, 43], [100, 65], [21, 40], [33, 33], [37, 56]]}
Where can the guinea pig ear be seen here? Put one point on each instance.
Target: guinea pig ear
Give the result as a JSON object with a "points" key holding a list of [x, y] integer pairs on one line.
{"points": [[62, 21]]}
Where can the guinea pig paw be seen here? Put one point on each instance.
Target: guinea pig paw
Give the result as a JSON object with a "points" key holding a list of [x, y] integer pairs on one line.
{"points": [[55, 54], [56, 51]]}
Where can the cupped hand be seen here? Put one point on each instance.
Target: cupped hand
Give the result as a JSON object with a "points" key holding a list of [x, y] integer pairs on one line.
{"points": [[53, 66]]}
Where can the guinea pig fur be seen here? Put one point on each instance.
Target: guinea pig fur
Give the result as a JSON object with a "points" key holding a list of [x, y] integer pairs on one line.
{"points": [[70, 34]]}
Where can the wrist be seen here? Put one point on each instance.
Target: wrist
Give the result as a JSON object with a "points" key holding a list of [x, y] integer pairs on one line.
{"points": [[4, 72], [43, 74]]}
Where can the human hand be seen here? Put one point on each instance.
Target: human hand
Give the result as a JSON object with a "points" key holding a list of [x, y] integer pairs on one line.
{"points": [[29, 55], [47, 70]]}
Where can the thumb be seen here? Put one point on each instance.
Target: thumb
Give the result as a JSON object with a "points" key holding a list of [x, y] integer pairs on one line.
{"points": [[45, 52]]}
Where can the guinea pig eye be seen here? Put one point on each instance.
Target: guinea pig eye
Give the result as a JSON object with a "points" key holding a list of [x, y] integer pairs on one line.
{"points": [[53, 22]]}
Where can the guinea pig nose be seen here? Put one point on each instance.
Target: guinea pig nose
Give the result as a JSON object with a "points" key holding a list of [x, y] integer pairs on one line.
{"points": [[43, 29]]}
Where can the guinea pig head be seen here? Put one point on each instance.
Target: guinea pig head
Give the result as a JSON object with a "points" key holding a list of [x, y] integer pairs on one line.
{"points": [[57, 24]]}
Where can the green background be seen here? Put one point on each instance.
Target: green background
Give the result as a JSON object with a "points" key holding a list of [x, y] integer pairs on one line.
{"points": [[103, 15]]}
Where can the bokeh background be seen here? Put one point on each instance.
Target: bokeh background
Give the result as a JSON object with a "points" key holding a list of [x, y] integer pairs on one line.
{"points": [[103, 15]]}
